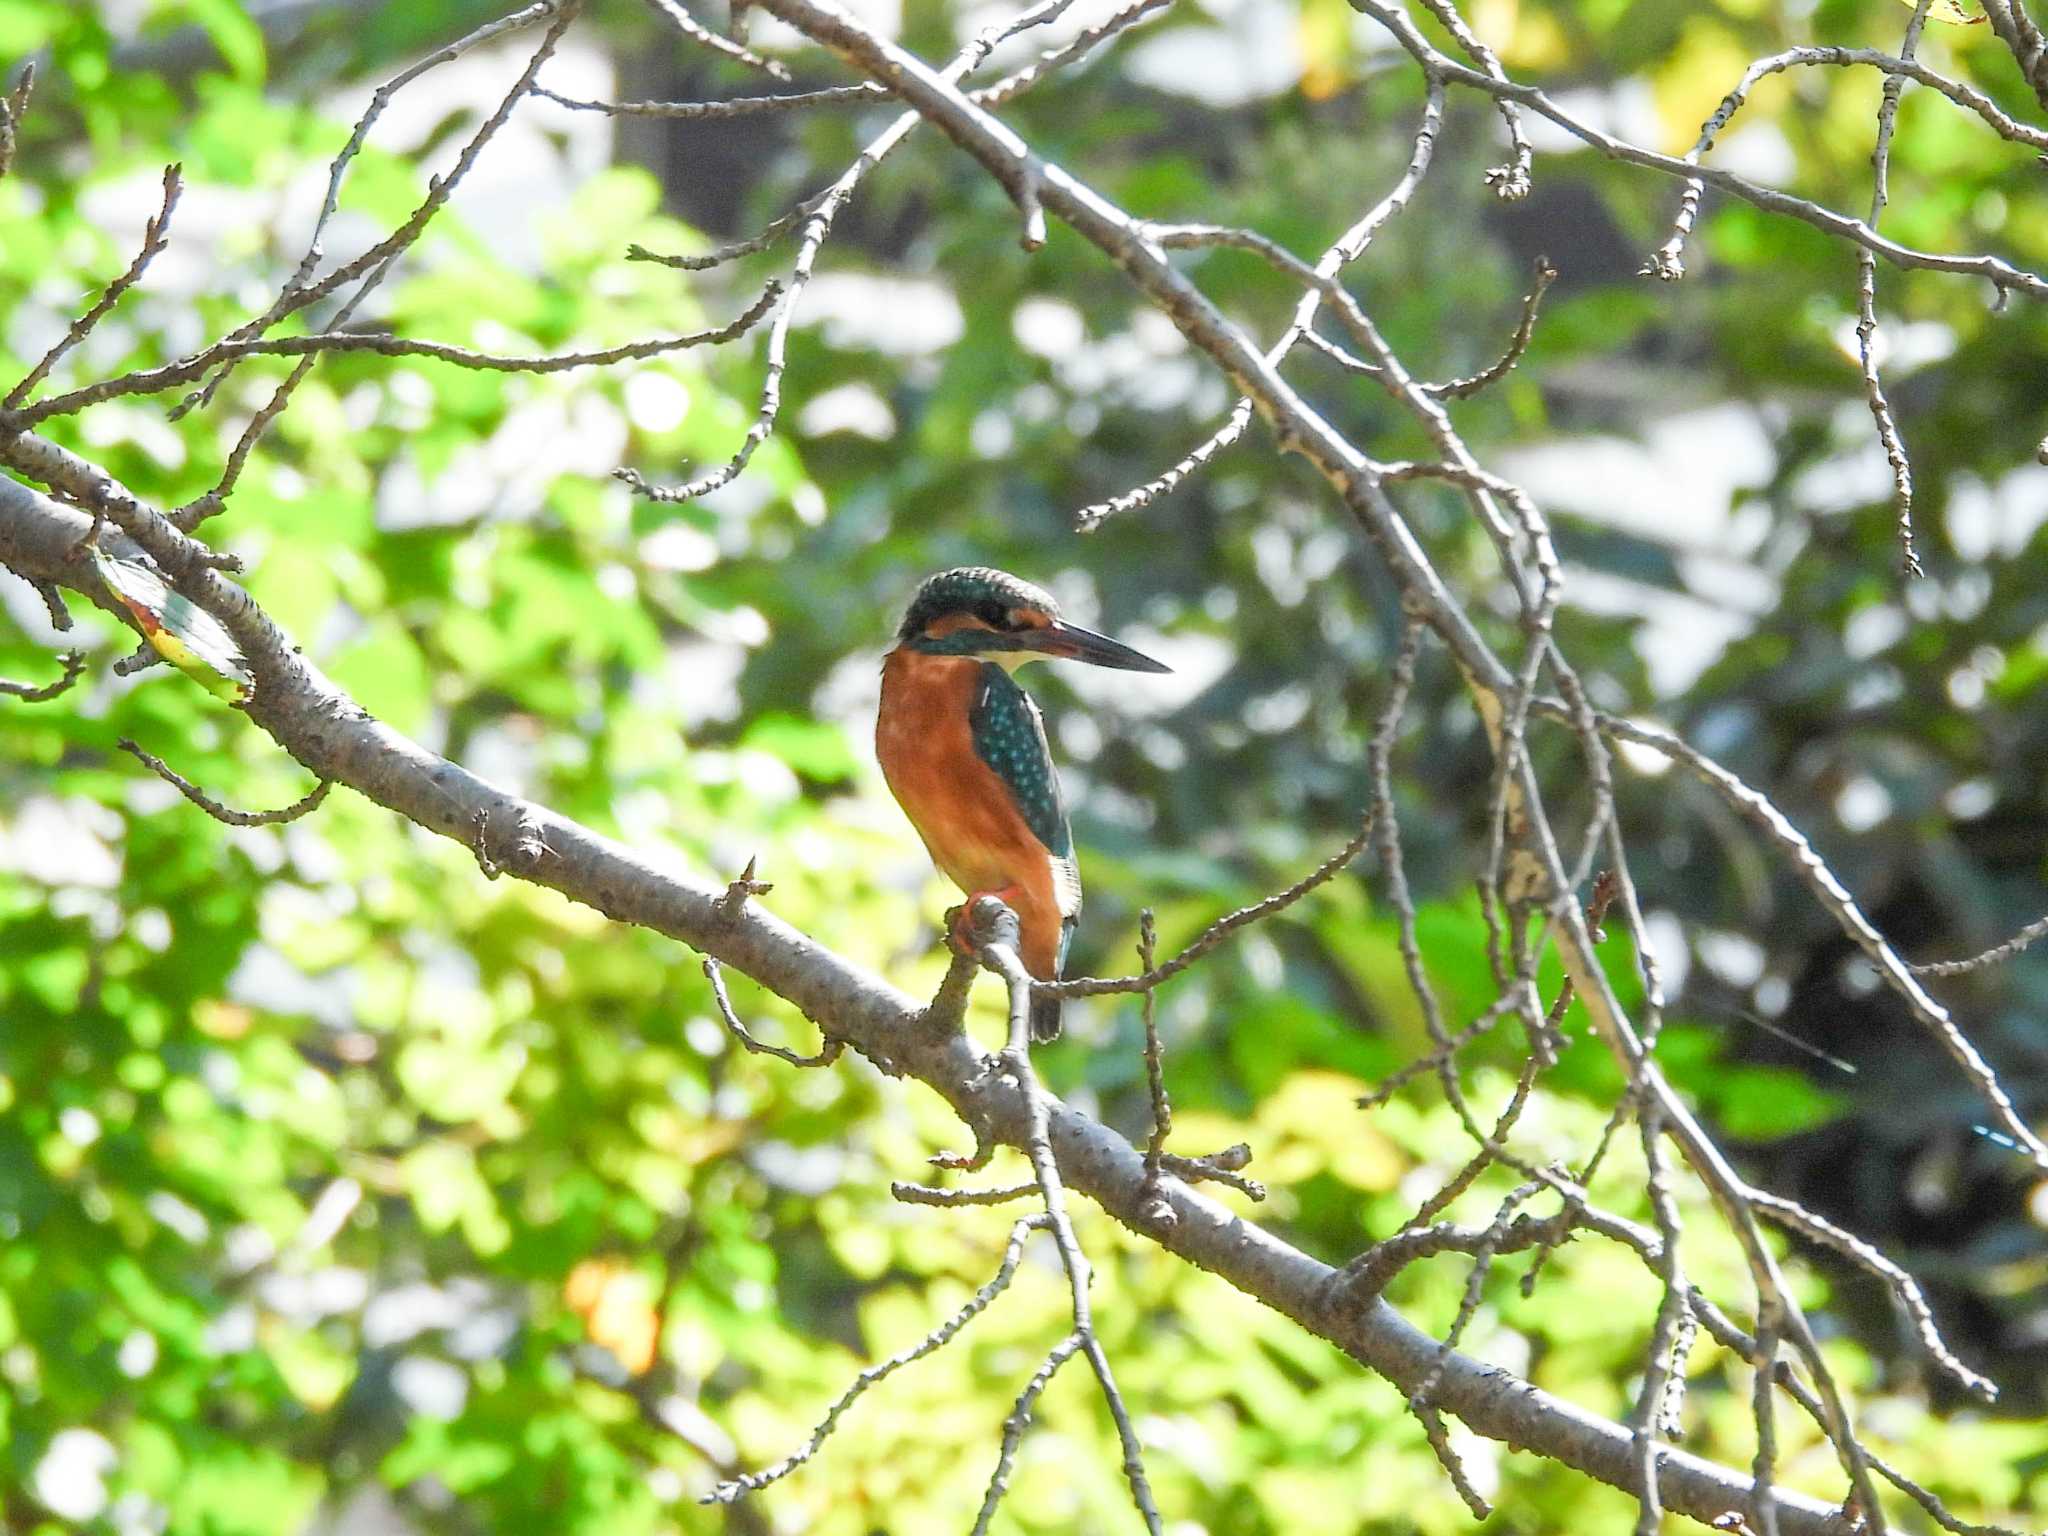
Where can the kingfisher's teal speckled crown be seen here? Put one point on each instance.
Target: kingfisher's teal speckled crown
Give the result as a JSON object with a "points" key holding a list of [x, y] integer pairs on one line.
{"points": [[988, 594]]}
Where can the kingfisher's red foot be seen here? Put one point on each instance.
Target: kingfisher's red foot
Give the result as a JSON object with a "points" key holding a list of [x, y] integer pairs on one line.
{"points": [[959, 929], [960, 919], [960, 924]]}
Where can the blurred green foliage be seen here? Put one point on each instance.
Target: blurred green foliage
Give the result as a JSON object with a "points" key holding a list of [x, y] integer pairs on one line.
{"points": [[333, 1175]]}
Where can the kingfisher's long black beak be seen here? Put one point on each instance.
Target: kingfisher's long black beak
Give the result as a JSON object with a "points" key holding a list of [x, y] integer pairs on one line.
{"points": [[1070, 642]]}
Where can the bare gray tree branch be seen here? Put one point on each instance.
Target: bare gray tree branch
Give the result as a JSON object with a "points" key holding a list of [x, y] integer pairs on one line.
{"points": [[334, 737]]}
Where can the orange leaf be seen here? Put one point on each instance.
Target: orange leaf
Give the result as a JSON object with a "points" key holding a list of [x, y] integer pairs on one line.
{"points": [[617, 1309]]}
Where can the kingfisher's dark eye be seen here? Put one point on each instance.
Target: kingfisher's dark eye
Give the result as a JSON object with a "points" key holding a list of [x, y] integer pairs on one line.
{"points": [[993, 614]]}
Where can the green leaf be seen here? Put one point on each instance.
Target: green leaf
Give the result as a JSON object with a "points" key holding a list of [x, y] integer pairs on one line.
{"points": [[233, 31], [184, 634], [813, 748]]}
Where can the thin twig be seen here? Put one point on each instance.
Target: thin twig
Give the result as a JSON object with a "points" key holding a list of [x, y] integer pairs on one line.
{"points": [[995, 932], [1420, 1400], [1217, 1168], [53, 603], [1013, 1251], [300, 291], [1464, 388], [1991, 956], [1759, 811], [156, 234], [13, 107], [1014, 1427], [1447, 1458], [198, 510], [1491, 1143], [817, 219], [379, 100], [151, 380], [1371, 1271], [1434, 1060], [695, 30], [1906, 1292], [714, 111], [201, 507], [1510, 182], [1054, 60], [733, 250], [1158, 1210], [42, 693], [1995, 270], [742, 890], [1866, 306], [1726, 1333], [1542, 1054], [1216, 932], [1351, 245], [1662, 1361], [1393, 869], [1668, 262], [2029, 45], [926, 1194], [141, 659], [1004, 90], [828, 1053], [224, 813]]}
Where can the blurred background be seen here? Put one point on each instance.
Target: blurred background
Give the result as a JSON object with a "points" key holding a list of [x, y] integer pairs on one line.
{"points": [[342, 1190]]}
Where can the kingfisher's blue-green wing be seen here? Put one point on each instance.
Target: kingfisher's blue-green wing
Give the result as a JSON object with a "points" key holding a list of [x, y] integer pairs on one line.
{"points": [[1009, 735]]}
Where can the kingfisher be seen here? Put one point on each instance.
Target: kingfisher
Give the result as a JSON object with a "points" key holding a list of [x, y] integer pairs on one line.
{"points": [[964, 751]]}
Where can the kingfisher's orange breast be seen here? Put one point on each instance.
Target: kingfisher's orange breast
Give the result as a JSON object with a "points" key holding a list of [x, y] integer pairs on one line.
{"points": [[963, 811]]}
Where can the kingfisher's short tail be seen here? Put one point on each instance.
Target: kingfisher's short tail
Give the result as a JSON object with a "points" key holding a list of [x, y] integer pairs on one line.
{"points": [[1045, 1018], [1045, 1011]]}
